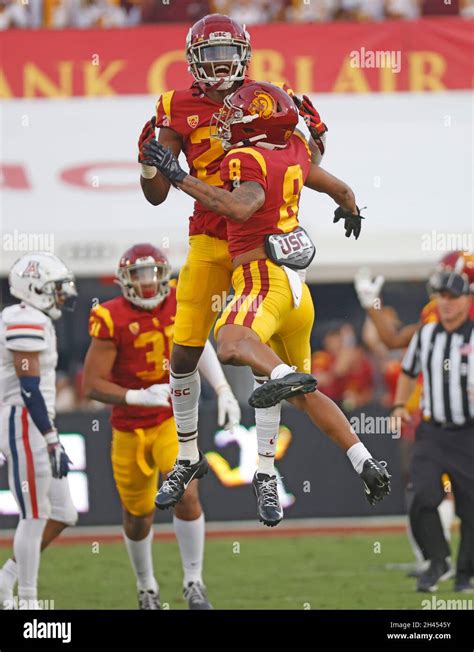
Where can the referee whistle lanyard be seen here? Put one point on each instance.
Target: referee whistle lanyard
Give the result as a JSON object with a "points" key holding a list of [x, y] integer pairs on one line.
{"points": [[145, 468]]}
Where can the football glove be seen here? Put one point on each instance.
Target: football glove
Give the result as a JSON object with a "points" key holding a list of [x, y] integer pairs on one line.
{"points": [[154, 396], [228, 409], [310, 115], [162, 158], [376, 480], [368, 290], [58, 457], [148, 132], [352, 223]]}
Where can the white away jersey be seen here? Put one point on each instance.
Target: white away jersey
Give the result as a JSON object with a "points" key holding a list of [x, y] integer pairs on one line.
{"points": [[24, 328]]}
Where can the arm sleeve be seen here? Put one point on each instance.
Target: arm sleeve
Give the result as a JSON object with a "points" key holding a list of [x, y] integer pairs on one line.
{"points": [[411, 363], [101, 324], [211, 369], [24, 328], [245, 164], [34, 402]]}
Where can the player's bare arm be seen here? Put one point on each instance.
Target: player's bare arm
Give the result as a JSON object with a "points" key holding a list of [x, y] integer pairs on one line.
{"points": [[392, 337], [98, 366], [322, 181], [238, 205], [157, 187]]}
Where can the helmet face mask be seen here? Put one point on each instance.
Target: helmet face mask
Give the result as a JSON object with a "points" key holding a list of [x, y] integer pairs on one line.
{"points": [[144, 275], [218, 51], [43, 281]]}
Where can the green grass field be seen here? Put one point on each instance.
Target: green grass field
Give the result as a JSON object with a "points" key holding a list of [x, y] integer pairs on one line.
{"points": [[322, 572]]}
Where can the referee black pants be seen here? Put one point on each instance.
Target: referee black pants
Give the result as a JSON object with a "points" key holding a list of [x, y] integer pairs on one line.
{"points": [[436, 451]]}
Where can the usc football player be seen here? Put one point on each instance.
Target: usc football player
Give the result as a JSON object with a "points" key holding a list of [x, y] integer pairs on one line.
{"points": [[218, 52], [268, 324], [127, 365]]}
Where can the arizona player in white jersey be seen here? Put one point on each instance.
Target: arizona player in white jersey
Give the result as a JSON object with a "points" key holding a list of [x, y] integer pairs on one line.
{"points": [[37, 462]]}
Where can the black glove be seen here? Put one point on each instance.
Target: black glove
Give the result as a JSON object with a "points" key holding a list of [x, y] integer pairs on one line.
{"points": [[376, 480], [352, 223], [164, 160], [59, 460]]}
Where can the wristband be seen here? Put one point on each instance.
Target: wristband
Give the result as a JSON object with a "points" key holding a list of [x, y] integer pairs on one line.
{"points": [[51, 437], [148, 171]]}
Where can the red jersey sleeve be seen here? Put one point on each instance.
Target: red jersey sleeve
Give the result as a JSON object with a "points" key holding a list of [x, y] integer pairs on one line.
{"points": [[163, 110], [101, 324], [244, 164]]}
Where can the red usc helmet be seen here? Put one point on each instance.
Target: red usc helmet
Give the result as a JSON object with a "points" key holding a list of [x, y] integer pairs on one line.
{"points": [[461, 262], [258, 114], [218, 51], [143, 274]]}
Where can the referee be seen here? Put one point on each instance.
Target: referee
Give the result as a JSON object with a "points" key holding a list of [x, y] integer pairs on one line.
{"points": [[444, 353]]}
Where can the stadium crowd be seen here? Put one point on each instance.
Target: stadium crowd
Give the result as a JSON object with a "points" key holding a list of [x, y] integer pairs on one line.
{"points": [[83, 14]]}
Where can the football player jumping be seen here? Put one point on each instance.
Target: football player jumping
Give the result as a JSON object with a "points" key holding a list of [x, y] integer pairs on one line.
{"points": [[37, 462], [127, 365], [218, 53], [268, 324]]}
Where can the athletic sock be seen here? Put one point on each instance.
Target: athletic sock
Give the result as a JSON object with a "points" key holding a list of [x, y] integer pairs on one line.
{"points": [[447, 513], [27, 551], [190, 535], [267, 421], [139, 553], [10, 573], [358, 454], [185, 392], [280, 371]]}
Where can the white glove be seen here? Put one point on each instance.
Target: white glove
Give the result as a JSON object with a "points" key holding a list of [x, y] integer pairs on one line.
{"points": [[368, 290], [228, 409], [154, 396]]}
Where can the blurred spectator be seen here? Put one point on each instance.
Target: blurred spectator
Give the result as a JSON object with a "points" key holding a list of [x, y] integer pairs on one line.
{"points": [[360, 10], [13, 13], [249, 12], [175, 11], [343, 369], [402, 8], [86, 14], [440, 8], [310, 12]]}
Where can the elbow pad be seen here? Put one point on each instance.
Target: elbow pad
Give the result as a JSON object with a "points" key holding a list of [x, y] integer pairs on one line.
{"points": [[34, 402]]}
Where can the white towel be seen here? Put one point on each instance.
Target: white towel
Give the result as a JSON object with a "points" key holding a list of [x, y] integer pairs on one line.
{"points": [[296, 284]]}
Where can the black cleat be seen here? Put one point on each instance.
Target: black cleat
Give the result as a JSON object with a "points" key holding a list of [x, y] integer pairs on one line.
{"points": [[149, 600], [268, 504], [196, 596], [376, 480], [462, 584], [279, 389], [437, 572], [173, 488]]}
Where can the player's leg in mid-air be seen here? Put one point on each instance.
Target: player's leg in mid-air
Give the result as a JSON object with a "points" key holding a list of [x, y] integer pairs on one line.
{"points": [[286, 328], [138, 458]]}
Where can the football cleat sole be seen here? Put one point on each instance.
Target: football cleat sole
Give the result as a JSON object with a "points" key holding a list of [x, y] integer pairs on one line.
{"points": [[274, 391]]}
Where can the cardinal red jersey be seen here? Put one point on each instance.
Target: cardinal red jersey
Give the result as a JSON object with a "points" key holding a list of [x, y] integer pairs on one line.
{"points": [[281, 173], [189, 112], [143, 339]]}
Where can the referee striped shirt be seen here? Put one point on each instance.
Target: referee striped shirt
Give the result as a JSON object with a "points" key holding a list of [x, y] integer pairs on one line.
{"points": [[446, 360]]}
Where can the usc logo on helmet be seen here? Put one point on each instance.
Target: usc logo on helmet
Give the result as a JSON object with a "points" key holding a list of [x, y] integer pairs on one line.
{"points": [[263, 104]]}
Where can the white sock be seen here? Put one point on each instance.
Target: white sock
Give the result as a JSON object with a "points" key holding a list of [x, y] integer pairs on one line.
{"points": [[280, 371], [185, 392], [447, 513], [27, 551], [140, 556], [190, 535], [9, 573], [267, 422], [357, 455]]}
